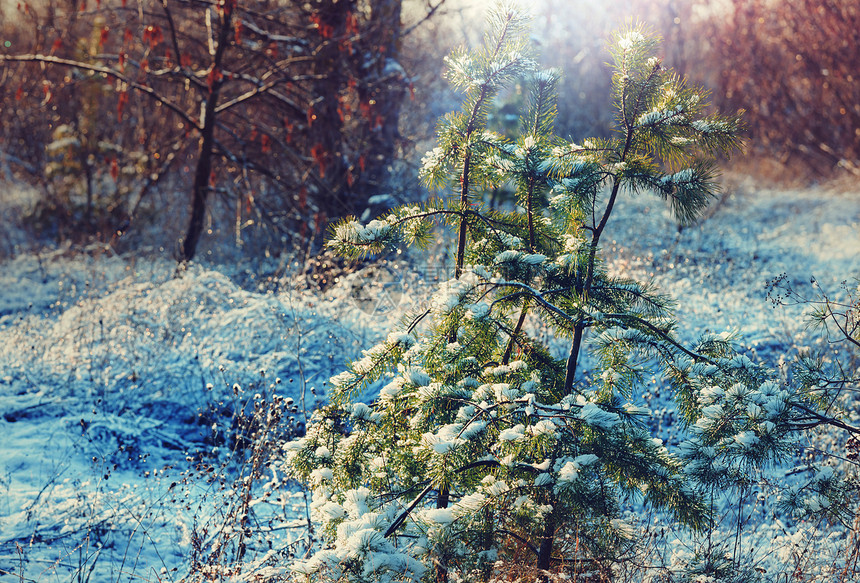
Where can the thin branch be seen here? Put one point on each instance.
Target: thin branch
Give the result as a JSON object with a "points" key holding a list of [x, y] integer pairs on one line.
{"points": [[822, 419], [663, 335], [249, 94], [842, 329], [173, 38], [278, 38], [428, 16], [403, 515], [29, 168], [401, 518], [149, 91], [416, 321], [528, 290], [528, 545], [262, 87]]}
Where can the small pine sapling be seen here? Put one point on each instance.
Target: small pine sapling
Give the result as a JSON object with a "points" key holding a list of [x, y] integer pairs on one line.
{"points": [[461, 439]]}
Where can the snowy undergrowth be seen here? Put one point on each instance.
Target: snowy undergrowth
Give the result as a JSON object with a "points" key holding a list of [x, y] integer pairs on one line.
{"points": [[132, 400], [122, 389]]}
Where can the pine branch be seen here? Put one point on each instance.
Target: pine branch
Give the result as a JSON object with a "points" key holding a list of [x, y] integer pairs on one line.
{"points": [[401, 518]]}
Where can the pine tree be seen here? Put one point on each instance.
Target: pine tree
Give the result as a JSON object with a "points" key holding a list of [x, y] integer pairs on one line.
{"points": [[461, 439]]}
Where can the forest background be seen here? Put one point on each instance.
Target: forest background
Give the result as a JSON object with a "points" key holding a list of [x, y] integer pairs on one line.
{"points": [[325, 105]]}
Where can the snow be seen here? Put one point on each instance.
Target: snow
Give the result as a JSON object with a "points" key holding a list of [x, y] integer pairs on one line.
{"points": [[446, 439], [449, 295], [512, 433], [657, 116], [746, 439], [470, 504], [595, 416], [118, 380], [478, 311], [356, 233], [438, 515], [321, 474], [624, 529], [629, 40]]}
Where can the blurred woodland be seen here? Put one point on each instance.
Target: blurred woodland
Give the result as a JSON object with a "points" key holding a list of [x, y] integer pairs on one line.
{"points": [[259, 121]]}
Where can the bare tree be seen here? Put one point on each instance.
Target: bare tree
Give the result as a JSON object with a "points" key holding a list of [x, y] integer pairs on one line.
{"points": [[289, 110]]}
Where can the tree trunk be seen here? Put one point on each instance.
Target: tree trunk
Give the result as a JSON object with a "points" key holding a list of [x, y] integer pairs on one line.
{"points": [[386, 88], [200, 188], [544, 561], [203, 171], [325, 123], [442, 569]]}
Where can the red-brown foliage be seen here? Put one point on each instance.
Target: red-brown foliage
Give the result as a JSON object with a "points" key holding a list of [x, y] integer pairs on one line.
{"points": [[306, 96], [794, 65]]}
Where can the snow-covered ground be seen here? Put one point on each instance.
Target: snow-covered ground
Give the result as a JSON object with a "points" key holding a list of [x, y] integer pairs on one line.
{"points": [[122, 387]]}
